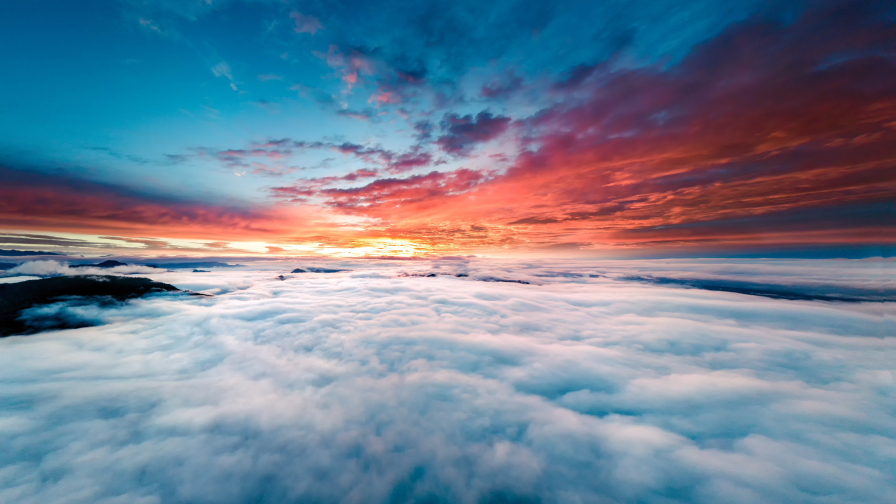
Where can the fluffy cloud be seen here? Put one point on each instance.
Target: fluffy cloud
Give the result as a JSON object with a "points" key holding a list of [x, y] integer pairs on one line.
{"points": [[462, 133], [50, 268], [374, 385]]}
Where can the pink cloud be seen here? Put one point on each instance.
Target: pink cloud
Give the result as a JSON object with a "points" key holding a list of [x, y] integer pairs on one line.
{"points": [[382, 97], [60, 203]]}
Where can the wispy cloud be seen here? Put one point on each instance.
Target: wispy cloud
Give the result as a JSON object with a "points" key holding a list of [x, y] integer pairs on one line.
{"points": [[148, 23], [305, 23], [222, 69], [66, 203]]}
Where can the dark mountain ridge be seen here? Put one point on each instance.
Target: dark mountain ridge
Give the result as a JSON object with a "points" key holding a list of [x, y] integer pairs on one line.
{"points": [[191, 265], [104, 265], [16, 297], [317, 270], [21, 253]]}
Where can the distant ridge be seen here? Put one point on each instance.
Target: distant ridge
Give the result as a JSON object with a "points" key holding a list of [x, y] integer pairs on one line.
{"points": [[103, 265], [20, 253], [191, 265], [775, 291], [317, 270], [19, 296]]}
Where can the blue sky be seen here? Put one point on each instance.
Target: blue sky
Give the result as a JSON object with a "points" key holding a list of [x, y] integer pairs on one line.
{"points": [[116, 88]]}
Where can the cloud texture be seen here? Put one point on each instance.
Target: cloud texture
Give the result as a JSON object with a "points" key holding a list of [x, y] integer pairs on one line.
{"points": [[374, 385]]}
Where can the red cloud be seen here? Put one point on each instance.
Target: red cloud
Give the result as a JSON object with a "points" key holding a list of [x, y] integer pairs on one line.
{"points": [[38, 201], [384, 96], [762, 122], [414, 191], [408, 161], [352, 64]]}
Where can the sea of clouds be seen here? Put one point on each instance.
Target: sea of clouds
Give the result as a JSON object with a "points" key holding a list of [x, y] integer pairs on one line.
{"points": [[383, 385]]}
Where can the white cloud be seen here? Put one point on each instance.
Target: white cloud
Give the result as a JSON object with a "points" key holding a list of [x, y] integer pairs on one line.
{"points": [[49, 268], [149, 24], [17, 279], [222, 69], [366, 386], [40, 268]]}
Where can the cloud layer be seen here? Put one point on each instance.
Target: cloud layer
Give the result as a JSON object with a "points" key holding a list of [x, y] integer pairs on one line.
{"points": [[375, 385]]}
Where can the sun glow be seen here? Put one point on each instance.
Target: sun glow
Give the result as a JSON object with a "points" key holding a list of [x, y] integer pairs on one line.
{"points": [[378, 247]]}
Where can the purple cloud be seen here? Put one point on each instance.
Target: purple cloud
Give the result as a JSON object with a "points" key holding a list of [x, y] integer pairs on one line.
{"points": [[306, 24], [502, 88], [462, 133]]}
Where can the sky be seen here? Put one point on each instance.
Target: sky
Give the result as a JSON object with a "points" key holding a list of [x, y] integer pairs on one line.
{"points": [[641, 128]]}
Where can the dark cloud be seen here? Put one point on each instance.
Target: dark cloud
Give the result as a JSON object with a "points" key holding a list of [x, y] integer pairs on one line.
{"points": [[38, 239], [361, 115], [502, 88], [461, 133], [393, 162], [308, 187], [120, 155], [176, 158], [146, 242], [409, 161], [267, 105], [383, 191], [423, 131]]}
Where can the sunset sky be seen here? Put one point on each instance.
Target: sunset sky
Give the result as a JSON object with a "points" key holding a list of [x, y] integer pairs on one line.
{"points": [[643, 128], [447, 251]]}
